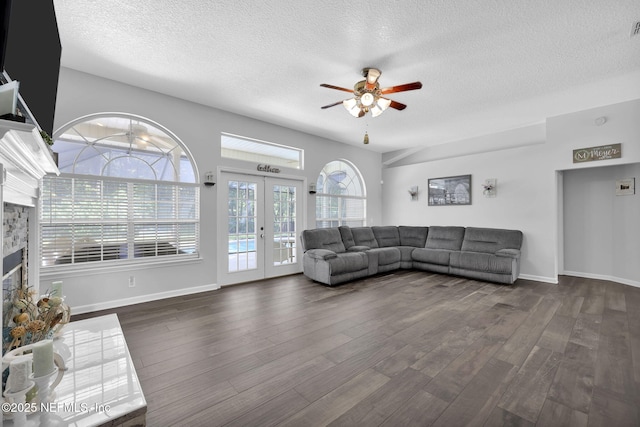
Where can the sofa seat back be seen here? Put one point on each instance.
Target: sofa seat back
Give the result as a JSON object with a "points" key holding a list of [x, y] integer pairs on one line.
{"points": [[386, 236], [322, 238], [413, 236], [490, 240], [442, 237], [363, 236]]}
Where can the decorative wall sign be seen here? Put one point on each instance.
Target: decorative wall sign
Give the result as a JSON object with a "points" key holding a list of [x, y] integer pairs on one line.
{"points": [[626, 187], [603, 152], [268, 168], [452, 190]]}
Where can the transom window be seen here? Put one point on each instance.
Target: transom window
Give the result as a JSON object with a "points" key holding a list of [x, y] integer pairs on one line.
{"points": [[127, 190], [341, 197], [254, 150]]}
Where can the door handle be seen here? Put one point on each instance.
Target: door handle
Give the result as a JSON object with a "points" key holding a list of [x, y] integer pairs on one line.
{"points": [[262, 235]]}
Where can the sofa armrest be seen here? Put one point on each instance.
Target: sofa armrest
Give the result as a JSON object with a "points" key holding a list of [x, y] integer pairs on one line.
{"points": [[358, 248], [323, 254], [509, 253]]}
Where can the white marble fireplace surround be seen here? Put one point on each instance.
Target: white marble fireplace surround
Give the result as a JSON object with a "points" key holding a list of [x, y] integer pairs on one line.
{"points": [[24, 159]]}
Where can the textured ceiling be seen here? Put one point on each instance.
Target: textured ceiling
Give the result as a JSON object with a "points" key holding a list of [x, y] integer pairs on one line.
{"points": [[486, 65]]}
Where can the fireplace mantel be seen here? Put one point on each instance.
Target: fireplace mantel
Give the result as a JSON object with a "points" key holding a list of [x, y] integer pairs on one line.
{"points": [[24, 159]]}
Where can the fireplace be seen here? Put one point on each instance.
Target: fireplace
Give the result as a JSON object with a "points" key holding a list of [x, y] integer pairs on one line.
{"points": [[15, 244], [24, 160], [13, 276]]}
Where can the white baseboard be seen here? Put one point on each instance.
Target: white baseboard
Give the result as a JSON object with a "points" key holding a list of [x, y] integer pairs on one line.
{"points": [[629, 282], [544, 279], [142, 298]]}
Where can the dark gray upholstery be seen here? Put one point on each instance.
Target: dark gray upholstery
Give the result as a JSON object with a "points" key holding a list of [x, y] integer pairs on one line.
{"points": [[413, 236], [363, 236], [431, 256], [386, 236], [323, 238], [490, 240], [445, 238], [480, 261], [406, 261], [387, 259], [337, 255], [347, 236]]}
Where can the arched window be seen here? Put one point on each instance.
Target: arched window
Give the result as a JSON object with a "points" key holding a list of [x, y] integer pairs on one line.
{"points": [[127, 190], [341, 196]]}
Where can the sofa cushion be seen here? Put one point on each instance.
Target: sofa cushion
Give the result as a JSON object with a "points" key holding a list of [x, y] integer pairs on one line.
{"points": [[509, 253], [386, 236], [482, 262], [405, 253], [387, 255], [347, 236], [449, 238], [491, 240], [348, 262], [431, 256], [323, 238], [363, 236], [323, 254], [413, 236]]}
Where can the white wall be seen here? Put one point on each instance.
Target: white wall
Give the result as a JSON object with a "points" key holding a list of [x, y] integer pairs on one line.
{"points": [[520, 203], [199, 127], [601, 230], [529, 189]]}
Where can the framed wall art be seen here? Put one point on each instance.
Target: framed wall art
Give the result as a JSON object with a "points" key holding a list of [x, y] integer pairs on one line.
{"points": [[451, 190], [626, 187]]}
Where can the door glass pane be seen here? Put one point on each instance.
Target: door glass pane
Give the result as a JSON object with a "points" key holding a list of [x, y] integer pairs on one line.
{"points": [[242, 220], [284, 224]]}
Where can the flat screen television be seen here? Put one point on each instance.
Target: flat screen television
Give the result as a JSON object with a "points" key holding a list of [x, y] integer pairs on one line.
{"points": [[30, 53]]}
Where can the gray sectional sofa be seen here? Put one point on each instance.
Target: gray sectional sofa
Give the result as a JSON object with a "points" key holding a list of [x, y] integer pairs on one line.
{"points": [[340, 254]]}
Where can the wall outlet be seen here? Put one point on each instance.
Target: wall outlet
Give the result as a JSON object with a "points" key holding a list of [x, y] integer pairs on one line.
{"points": [[132, 281]]}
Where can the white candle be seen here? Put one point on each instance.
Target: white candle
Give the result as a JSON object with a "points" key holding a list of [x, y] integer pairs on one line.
{"points": [[42, 358], [19, 371]]}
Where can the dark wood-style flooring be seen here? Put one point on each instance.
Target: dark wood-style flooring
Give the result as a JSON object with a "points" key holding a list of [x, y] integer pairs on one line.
{"points": [[408, 348]]}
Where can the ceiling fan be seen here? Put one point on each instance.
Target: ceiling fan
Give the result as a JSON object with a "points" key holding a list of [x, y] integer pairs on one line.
{"points": [[368, 95]]}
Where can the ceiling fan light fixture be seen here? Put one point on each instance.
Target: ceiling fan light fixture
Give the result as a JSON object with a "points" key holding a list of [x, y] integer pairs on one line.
{"points": [[351, 105], [381, 105], [367, 99]]}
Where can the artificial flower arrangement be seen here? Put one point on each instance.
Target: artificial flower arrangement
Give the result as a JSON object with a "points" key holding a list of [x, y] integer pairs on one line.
{"points": [[28, 319]]}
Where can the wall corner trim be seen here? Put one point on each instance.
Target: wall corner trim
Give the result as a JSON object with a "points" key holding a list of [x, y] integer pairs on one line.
{"points": [[622, 280], [553, 280]]}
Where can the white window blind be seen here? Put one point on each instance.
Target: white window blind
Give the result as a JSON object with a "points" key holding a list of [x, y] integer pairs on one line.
{"points": [[91, 219], [341, 199]]}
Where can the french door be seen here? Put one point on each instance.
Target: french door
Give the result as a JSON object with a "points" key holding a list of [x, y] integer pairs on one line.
{"points": [[259, 218]]}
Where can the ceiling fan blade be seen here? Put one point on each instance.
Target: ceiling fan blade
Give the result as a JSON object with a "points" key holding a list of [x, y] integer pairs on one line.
{"points": [[397, 105], [401, 88], [332, 105], [337, 87]]}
